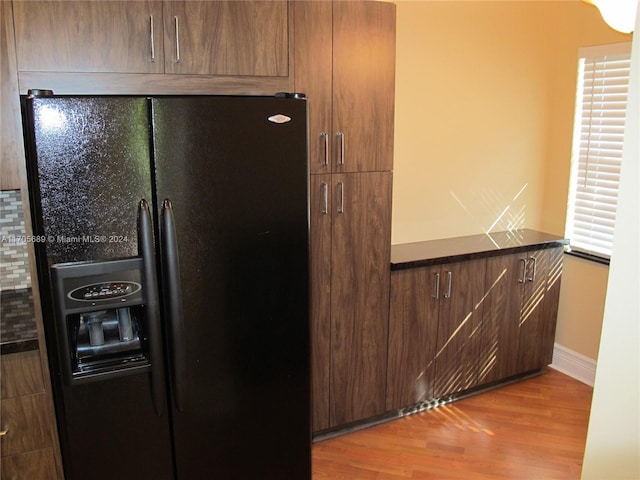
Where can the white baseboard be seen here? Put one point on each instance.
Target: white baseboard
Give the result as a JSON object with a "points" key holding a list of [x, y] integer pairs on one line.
{"points": [[574, 364]]}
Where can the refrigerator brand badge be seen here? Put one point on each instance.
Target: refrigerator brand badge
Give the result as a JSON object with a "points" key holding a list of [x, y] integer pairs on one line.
{"points": [[279, 118]]}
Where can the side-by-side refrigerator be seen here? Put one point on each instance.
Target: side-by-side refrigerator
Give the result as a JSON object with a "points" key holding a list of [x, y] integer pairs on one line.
{"points": [[171, 238]]}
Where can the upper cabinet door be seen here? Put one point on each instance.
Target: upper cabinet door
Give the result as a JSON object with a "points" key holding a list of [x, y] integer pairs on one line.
{"points": [[89, 36], [313, 61], [345, 62], [363, 85], [227, 38]]}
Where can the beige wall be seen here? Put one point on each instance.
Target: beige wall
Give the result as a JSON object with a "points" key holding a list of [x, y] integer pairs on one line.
{"points": [[484, 114], [582, 295], [472, 107]]}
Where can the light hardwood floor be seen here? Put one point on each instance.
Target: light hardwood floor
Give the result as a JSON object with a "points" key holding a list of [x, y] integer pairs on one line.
{"points": [[534, 429]]}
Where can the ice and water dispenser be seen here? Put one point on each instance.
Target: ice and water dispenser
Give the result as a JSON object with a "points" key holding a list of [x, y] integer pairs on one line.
{"points": [[100, 318]]}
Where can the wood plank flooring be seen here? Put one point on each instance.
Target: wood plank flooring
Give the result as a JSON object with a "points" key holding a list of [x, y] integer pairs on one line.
{"points": [[534, 429]]}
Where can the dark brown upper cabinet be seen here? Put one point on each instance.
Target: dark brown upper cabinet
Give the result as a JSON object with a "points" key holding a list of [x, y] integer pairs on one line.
{"points": [[248, 38], [345, 63]]}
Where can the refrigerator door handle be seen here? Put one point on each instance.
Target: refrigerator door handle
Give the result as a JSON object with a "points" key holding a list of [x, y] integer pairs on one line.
{"points": [[146, 251], [174, 295]]}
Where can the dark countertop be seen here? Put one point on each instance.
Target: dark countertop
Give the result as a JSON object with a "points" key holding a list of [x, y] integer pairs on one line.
{"points": [[17, 322], [446, 250]]}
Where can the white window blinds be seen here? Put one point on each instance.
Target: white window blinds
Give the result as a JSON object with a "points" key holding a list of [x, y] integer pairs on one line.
{"points": [[601, 103]]}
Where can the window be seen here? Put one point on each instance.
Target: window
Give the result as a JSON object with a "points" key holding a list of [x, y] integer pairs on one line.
{"points": [[598, 133]]}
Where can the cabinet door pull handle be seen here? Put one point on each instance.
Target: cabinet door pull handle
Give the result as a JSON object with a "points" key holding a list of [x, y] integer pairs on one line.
{"points": [[4, 431], [177, 28], [153, 48], [448, 292], [523, 278], [436, 289], [532, 278], [341, 202], [325, 137], [340, 136], [325, 198]]}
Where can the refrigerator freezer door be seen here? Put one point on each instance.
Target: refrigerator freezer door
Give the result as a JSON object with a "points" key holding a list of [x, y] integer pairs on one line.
{"points": [[238, 185], [89, 165], [90, 168]]}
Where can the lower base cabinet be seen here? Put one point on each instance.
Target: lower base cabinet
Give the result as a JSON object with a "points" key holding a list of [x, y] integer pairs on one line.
{"points": [[460, 325], [26, 420], [413, 330], [36, 464], [434, 331], [520, 310]]}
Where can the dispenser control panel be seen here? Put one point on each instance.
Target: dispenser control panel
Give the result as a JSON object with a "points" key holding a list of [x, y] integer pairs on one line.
{"points": [[83, 285], [104, 291]]}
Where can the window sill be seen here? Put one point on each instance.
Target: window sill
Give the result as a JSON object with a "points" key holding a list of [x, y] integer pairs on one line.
{"points": [[587, 256]]}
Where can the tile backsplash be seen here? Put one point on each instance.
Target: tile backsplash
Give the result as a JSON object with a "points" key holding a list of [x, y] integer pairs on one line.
{"points": [[17, 319], [14, 260]]}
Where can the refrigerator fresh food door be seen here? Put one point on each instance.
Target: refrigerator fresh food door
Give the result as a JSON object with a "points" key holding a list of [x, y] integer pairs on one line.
{"points": [[89, 165], [231, 176]]}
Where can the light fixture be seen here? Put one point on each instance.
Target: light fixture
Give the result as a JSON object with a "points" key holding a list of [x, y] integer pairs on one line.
{"points": [[619, 14]]}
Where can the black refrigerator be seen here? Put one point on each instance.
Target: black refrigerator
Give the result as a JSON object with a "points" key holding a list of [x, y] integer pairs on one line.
{"points": [[171, 237]]}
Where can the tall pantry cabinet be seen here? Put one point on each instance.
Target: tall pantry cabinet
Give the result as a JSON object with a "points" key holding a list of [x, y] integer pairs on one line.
{"points": [[344, 57]]}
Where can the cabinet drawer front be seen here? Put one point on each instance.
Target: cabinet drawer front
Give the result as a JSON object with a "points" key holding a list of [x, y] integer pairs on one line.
{"points": [[21, 374], [27, 423], [38, 464]]}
